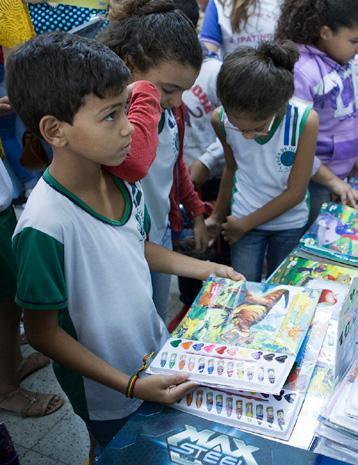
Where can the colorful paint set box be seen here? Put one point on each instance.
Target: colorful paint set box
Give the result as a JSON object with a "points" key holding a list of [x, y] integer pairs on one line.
{"points": [[240, 335]]}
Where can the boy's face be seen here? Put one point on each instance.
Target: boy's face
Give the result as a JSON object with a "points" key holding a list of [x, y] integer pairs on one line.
{"points": [[100, 131]]}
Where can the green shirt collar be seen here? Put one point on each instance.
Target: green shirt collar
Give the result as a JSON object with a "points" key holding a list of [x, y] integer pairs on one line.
{"points": [[51, 181]]}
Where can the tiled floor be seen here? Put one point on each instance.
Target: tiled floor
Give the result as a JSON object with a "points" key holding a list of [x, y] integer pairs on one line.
{"points": [[60, 438]]}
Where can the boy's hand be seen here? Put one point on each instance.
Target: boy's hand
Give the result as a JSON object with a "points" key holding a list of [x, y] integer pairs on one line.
{"points": [[344, 192], [199, 173], [5, 106], [224, 271], [201, 236], [234, 229], [163, 389]]}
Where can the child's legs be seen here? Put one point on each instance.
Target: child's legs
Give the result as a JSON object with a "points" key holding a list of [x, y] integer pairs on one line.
{"points": [[318, 195], [104, 431], [10, 355], [161, 281], [247, 254], [10, 313], [280, 244]]}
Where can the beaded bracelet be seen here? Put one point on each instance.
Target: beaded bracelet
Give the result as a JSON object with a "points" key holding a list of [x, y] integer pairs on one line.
{"points": [[133, 379]]}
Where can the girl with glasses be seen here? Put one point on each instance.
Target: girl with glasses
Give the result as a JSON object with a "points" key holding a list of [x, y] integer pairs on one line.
{"points": [[269, 143]]}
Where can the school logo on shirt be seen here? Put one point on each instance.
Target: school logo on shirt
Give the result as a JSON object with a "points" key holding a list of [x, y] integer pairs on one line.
{"points": [[285, 158], [175, 133], [138, 210]]}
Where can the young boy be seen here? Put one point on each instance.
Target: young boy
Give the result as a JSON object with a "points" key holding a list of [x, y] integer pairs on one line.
{"points": [[83, 274]]}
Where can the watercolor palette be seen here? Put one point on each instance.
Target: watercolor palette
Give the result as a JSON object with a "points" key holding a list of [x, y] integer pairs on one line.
{"points": [[240, 335], [263, 413], [334, 234], [229, 366], [273, 415]]}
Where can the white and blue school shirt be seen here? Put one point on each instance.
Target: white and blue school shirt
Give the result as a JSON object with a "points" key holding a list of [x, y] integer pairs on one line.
{"points": [[92, 270], [159, 180], [264, 166], [260, 26]]}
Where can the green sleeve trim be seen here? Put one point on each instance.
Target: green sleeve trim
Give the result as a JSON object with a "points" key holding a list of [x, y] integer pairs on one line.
{"points": [[161, 122], [41, 278], [304, 119], [147, 221], [221, 122], [39, 306], [119, 183]]}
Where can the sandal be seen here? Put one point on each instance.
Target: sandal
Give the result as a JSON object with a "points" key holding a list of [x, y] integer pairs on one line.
{"points": [[35, 404], [31, 364]]}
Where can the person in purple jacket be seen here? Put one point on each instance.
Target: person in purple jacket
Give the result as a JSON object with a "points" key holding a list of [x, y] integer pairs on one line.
{"points": [[327, 76]]}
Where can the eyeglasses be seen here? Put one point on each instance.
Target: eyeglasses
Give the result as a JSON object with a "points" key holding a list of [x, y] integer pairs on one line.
{"points": [[257, 132]]}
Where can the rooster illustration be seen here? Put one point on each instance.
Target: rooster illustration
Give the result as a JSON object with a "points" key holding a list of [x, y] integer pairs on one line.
{"points": [[253, 310]]}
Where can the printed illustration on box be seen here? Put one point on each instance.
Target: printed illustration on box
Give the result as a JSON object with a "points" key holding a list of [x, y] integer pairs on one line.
{"points": [[298, 271], [334, 234], [339, 296], [240, 334]]}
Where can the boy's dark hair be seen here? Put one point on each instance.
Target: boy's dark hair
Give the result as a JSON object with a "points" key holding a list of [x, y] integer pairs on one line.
{"points": [[257, 81], [151, 32], [301, 20], [52, 74], [190, 8]]}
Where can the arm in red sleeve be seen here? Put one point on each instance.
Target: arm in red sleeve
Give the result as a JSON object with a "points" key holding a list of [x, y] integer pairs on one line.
{"points": [[144, 114]]}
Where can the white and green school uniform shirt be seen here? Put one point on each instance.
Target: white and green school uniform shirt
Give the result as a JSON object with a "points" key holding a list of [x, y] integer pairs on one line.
{"points": [[93, 271], [6, 188], [159, 180], [264, 166]]}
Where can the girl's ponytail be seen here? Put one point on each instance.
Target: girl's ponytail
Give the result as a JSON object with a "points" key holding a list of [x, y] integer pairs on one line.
{"points": [[258, 81], [283, 55]]}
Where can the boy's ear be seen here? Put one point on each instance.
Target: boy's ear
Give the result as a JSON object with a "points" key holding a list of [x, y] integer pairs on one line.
{"points": [[325, 32], [52, 131]]}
